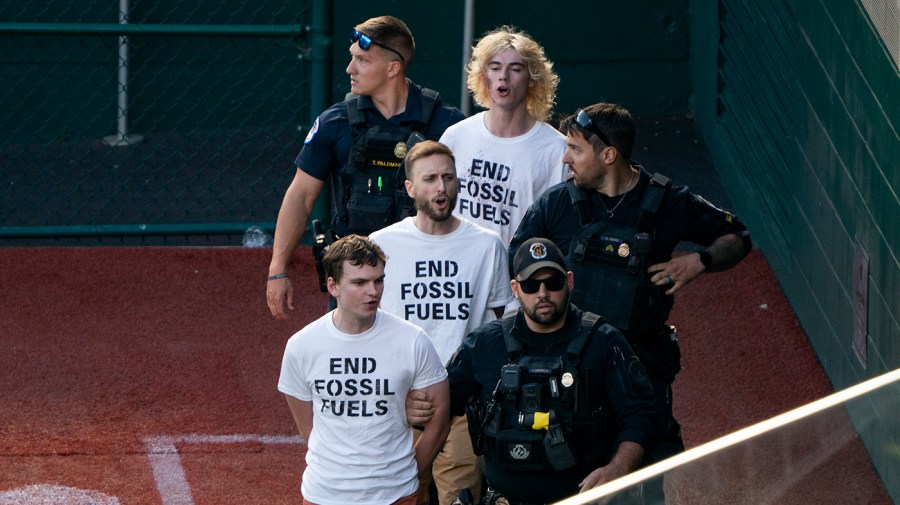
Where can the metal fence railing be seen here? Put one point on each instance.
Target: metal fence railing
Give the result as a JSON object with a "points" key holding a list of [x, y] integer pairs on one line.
{"points": [[148, 119]]}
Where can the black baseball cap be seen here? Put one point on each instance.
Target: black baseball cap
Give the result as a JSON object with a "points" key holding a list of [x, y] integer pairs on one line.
{"points": [[535, 254]]}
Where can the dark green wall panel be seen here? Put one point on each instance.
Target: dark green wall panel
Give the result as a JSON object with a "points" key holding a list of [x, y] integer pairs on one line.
{"points": [[634, 54], [803, 125], [435, 28], [864, 140]]}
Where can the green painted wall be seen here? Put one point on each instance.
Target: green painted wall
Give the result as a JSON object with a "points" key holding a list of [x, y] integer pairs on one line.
{"points": [[802, 117], [633, 53]]}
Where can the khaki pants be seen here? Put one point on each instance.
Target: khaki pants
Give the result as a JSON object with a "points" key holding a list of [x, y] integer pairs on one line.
{"points": [[456, 467]]}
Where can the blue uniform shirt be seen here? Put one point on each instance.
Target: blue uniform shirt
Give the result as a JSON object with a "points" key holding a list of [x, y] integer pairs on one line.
{"points": [[327, 147]]}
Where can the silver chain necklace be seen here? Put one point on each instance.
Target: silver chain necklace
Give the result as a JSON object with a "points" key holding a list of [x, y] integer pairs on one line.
{"points": [[609, 212]]}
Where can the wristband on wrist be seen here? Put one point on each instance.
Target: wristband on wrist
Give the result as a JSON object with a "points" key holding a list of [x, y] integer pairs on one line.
{"points": [[705, 258], [277, 276]]}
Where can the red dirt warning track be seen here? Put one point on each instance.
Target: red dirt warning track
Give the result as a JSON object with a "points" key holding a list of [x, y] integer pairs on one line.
{"points": [[147, 375]]}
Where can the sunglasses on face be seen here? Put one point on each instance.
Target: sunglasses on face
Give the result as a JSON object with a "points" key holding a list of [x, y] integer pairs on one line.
{"points": [[365, 42], [531, 286], [583, 119]]}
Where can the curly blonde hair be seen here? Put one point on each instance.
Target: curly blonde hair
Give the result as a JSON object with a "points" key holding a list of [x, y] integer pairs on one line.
{"points": [[541, 96]]}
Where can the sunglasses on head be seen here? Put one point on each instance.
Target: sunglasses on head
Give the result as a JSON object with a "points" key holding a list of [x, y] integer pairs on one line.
{"points": [[531, 286], [365, 42], [583, 119]]}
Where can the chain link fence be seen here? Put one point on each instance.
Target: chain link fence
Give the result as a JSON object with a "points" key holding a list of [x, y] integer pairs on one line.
{"points": [[150, 120]]}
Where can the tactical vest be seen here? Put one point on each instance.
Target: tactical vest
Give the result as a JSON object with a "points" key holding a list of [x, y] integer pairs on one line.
{"points": [[613, 259], [369, 192], [541, 416]]}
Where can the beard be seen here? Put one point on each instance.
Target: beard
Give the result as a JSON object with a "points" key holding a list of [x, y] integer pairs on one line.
{"points": [[547, 318], [584, 183], [425, 207]]}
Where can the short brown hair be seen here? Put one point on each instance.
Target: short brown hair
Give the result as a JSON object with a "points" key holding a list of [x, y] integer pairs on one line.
{"points": [[425, 149], [356, 249], [391, 32]]}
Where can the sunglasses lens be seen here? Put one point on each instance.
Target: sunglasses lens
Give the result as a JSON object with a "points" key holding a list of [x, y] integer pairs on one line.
{"points": [[531, 286], [555, 283], [364, 41], [582, 118]]}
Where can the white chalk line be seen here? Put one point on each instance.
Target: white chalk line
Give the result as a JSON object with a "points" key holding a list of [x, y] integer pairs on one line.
{"points": [[49, 494], [168, 472]]}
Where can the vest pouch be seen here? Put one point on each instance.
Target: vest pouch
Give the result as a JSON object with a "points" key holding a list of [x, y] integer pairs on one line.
{"points": [[671, 352], [603, 256], [368, 212], [660, 355], [557, 448], [383, 149], [612, 293], [482, 423], [521, 450], [365, 189]]}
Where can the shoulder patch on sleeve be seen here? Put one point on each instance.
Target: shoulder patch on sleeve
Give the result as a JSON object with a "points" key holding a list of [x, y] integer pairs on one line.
{"points": [[637, 377], [312, 132]]}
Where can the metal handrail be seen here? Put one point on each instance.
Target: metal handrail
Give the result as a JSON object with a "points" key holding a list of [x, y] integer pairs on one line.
{"points": [[113, 230], [153, 29]]}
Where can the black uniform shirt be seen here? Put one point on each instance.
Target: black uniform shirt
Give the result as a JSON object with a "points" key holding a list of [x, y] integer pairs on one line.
{"points": [[682, 216], [616, 380]]}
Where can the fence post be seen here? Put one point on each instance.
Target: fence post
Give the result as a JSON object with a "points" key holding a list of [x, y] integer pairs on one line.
{"points": [[468, 28], [122, 137], [320, 87]]}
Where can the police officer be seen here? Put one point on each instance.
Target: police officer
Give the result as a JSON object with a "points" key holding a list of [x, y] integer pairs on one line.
{"points": [[560, 402], [358, 144], [619, 225]]}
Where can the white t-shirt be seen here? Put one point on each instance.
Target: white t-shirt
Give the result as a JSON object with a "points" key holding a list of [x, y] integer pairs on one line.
{"points": [[446, 284], [500, 177], [360, 449]]}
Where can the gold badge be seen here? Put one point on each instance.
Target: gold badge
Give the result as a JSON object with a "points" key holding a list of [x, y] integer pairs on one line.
{"points": [[624, 250], [567, 380], [400, 150], [538, 251]]}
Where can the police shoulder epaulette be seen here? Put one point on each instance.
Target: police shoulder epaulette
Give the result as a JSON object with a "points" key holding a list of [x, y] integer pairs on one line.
{"points": [[513, 345], [355, 117], [589, 324], [652, 199], [514, 349], [429, 101]]}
